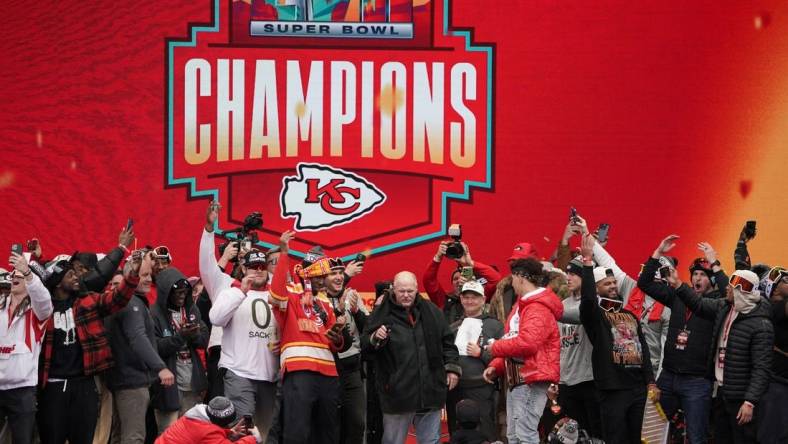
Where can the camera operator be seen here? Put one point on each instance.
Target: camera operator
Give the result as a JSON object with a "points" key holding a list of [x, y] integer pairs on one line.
{"points": [[450, 302], [689, 337]]}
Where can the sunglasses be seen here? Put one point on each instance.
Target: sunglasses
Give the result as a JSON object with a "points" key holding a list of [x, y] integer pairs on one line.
{"points": [[259, 266], [744, 284], [702, 262], [162, 252]]}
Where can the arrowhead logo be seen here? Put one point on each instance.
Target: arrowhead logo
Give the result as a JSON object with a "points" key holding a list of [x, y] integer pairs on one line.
{"points": [[321, 197]]}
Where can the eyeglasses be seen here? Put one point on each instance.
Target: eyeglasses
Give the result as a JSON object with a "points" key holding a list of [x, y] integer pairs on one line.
{"points": [[162, 252], [738, 281]]}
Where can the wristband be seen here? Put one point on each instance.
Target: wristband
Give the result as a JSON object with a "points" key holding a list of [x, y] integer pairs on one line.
{"points": [[28, 273], [716, 263], [124, 248]]}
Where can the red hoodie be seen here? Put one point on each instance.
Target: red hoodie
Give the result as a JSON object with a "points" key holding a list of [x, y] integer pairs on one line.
{"points": [[537, 342]]}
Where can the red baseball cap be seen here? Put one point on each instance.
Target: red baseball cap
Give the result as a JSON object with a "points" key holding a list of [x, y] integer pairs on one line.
{"points": [[523, 250]]}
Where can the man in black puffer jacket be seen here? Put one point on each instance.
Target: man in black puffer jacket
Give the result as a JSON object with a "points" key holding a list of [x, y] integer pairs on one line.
{"points": [[682, 381], [741, 353]]}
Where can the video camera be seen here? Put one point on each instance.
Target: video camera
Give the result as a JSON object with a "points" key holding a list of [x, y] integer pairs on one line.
{"points": [[455, 249], [246, 234]]}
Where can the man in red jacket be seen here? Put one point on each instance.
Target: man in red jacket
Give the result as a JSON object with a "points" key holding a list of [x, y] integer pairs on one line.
{"points": [[209, 424], [529, 353]]}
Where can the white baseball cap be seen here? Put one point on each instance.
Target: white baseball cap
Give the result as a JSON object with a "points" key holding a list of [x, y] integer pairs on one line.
{"points": [[474, 287]]}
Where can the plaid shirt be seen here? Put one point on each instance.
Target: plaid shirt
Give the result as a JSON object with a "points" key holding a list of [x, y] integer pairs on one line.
{"points": [[89, 313]]}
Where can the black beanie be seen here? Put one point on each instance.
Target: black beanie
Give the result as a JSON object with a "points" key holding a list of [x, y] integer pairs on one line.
{"points": [[221, 411], [698, 265]]}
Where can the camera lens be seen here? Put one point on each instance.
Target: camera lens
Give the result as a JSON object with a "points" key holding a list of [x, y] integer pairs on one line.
{"points": [[454, 250]]}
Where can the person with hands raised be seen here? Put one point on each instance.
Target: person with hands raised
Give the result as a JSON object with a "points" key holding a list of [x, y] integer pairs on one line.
{"points": [[450, 302], [740, 355], [76, 348], [24, 310], [687, 346], [311, 334], [620, 356]]}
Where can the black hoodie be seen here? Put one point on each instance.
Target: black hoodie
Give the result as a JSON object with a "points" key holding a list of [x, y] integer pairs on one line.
{"points": [[692, 359], [169, 341]]}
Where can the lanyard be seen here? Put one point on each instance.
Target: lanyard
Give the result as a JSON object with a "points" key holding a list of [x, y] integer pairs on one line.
{"points": [[727, 329]]}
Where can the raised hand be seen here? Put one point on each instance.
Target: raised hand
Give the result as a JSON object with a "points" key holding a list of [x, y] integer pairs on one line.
{"points": [[126, 237], [708, 252], [666, 245], [212, 215], [284, 240]]}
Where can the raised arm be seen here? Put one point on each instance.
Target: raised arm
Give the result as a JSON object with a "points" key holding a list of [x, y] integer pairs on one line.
{"points": [[212, 276], [430, 279], [589, 306], [40, 299], [96, 280]]}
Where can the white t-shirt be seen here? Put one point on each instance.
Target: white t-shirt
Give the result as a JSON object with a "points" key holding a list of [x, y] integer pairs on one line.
{"points": [[249, 328]]}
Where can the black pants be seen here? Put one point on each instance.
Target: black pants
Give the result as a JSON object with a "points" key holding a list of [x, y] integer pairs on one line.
{"points": [[581, 403], [68, 411], [311, 408], [622, 414], [374, 413], [18, 408], [215, 378], [483, 395], [352, 429], [726, 427], [773, 414]]}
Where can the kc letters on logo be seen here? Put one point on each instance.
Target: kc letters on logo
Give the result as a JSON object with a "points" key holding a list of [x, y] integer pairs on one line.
{"points": [[362, 119]]}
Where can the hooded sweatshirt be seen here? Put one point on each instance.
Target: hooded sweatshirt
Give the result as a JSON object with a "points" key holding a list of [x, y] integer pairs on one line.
{"points": [[174, 348]]}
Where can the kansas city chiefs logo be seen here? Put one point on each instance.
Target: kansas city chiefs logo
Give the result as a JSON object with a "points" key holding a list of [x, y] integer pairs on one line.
{"points": [[321, 196]]}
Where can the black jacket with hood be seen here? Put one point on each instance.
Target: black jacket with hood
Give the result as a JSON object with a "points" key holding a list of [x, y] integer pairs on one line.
{"points": [[693, 358], [748, 353], [411, 364], [169, 342]]}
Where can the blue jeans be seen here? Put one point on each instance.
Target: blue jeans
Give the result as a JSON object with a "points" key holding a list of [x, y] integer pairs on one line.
{"points": [[427, 425], [524, 407], [693, 395]]}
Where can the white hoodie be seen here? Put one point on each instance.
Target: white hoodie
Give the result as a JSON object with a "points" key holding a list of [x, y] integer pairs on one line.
{"points": [[213, 278], [20, 342]]}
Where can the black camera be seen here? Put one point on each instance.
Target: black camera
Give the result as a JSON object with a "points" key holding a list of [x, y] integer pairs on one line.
{"points": [[455, 250], [246, 236]]}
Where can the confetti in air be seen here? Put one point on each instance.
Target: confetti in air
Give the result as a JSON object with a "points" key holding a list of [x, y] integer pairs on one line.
{"points": [[6, 179], [73, 165], [39, 139], [745, 187]]}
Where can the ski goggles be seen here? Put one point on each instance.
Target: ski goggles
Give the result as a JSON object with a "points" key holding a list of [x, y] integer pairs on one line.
{"points": [[778, 274], [744, 284], [162, 252]]}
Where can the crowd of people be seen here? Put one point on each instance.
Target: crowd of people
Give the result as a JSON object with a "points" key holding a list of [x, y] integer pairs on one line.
{"points": [[123, 347]]}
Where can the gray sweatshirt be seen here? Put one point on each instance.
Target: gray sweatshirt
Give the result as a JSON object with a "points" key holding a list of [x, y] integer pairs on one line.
{"points": [[576, 348]]}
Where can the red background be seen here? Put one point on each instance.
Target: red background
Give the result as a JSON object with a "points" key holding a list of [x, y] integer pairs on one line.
{"points": [[656, 117]]}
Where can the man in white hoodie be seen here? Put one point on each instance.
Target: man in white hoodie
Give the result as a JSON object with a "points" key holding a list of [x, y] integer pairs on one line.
{"points": [[23, 315], [250, 342]]}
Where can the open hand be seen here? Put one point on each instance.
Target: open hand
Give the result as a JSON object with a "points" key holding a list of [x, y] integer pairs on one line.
{"points": [[490, 375], [284, 240], [666, 245]]}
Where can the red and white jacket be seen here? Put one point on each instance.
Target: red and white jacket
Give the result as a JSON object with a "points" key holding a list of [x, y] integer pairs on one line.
{"points": [[21, 338], [303, 344]]}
